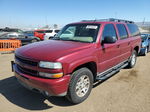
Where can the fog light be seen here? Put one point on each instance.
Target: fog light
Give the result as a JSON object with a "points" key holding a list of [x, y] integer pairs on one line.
{"points": [[50, 75]]}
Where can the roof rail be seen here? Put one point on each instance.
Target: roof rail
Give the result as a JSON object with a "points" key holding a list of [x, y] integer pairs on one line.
{"points": [[110, 20]]}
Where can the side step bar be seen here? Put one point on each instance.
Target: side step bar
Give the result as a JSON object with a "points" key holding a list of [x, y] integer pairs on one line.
{"points": [[108, 73]]}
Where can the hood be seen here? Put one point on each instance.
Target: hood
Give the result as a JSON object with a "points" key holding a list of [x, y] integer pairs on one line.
{"points": [[50, 50]]}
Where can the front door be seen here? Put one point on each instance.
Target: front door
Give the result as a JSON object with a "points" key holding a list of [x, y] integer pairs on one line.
{"points": [[108, 53]]}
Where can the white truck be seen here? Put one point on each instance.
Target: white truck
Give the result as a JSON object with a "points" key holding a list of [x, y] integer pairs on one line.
{"points": [[50, 33]]}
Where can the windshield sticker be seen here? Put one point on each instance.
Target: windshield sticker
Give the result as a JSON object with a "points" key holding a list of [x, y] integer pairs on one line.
{"points": [[91, 27]]}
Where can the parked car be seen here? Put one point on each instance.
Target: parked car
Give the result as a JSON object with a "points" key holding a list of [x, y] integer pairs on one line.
{"points": [[50, 33], [7, 29], [29, 33], [20, 36], [145, 45], [70, 65], [39, 33], [45, 34]]}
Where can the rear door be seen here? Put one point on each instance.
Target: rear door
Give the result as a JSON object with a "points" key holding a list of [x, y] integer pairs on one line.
{"points": [[124, 42], [108, 53]]}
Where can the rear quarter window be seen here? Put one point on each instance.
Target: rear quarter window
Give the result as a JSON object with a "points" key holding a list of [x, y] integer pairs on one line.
{"points": [[134, 30]]}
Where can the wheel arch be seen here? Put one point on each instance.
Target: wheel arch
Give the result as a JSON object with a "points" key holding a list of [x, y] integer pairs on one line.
{"points": [[137, 49], [92, 66]]}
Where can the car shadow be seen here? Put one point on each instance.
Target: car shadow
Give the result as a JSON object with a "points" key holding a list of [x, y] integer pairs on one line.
{"points": [[20, 96]]}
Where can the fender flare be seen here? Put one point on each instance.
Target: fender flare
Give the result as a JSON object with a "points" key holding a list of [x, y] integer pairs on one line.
{"points": [[77, 63]]}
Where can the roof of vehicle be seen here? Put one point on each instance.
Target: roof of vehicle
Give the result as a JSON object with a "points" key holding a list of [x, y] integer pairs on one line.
{"points": [[110, 20], [45, 29]]}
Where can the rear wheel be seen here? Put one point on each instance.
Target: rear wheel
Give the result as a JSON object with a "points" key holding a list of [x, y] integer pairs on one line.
{"points": [[132, 60], [80, 85]]}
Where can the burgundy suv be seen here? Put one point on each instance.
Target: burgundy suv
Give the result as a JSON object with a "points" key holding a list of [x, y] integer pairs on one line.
{"points": [[78, 56]]}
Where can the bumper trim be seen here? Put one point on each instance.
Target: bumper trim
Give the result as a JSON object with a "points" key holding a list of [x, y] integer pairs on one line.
{"points": [[54, 87]]}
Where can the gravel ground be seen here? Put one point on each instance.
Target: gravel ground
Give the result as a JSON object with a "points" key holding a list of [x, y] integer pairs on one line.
{"points": [[126, 91]]}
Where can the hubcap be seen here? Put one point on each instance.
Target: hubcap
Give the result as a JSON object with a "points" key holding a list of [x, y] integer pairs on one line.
{"points": [[133, 59], [82, 85]]}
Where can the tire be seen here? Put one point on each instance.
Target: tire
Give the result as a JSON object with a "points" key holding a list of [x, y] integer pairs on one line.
{"points": [[80, 85], [132, 60], [50, 37], [34, 40], [146, 51]]}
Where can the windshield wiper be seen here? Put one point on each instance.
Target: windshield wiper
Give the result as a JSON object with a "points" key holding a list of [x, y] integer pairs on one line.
{"points": [[74, 40]]}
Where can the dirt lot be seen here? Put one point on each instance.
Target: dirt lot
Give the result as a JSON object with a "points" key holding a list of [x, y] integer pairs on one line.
{"points": [[127, 91]]}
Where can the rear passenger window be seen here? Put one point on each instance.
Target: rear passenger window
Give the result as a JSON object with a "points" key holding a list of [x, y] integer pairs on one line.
{"points": [[133, 29], [122, 31], [56, 31], [48, 31], [109, 31]]}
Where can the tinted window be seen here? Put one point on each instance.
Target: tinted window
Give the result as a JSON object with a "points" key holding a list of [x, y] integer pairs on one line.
{"points": [[133, 29], [122, 31], [12, 30], [109, 31], [144, 37], [56, 31], [28, 32], [40, 31], [48, 31]]}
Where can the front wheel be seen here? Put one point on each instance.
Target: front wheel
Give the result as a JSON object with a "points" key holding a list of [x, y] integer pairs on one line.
{"points": [[34, 40], [132, 60], [146, 51], [80, 85]]}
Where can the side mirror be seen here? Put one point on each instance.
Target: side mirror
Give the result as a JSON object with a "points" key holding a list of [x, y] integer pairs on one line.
{"points": [[109, 40]]}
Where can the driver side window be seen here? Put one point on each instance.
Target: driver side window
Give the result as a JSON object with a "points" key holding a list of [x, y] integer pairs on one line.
{"points": [[109, 31]]}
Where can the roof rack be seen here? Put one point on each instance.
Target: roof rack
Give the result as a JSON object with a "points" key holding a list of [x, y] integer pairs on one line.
{"points": [[110, 19]]}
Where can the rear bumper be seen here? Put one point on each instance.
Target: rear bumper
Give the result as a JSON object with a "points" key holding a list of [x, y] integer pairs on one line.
{"points": [[54, 87]]}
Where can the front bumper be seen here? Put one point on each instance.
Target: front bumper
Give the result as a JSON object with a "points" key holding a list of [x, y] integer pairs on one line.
{"points": [[142, 51], [52, 87]]}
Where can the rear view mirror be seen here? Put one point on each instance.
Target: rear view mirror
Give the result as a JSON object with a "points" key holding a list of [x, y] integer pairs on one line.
{"points": [[109, 40]]}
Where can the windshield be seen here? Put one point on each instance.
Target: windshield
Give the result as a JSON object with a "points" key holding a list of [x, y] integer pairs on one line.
{"points": [[144, 37], [79, 32]]}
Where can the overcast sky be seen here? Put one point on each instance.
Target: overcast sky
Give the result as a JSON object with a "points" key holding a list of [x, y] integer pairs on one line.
{"points": [[28, 13]]}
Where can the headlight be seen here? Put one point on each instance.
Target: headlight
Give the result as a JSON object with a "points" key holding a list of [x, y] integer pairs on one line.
{"points": [[51, 75], [51, 65]]}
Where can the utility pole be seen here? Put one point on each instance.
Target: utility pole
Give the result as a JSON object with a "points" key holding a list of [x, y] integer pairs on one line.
{"points": [[143, 21]]}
